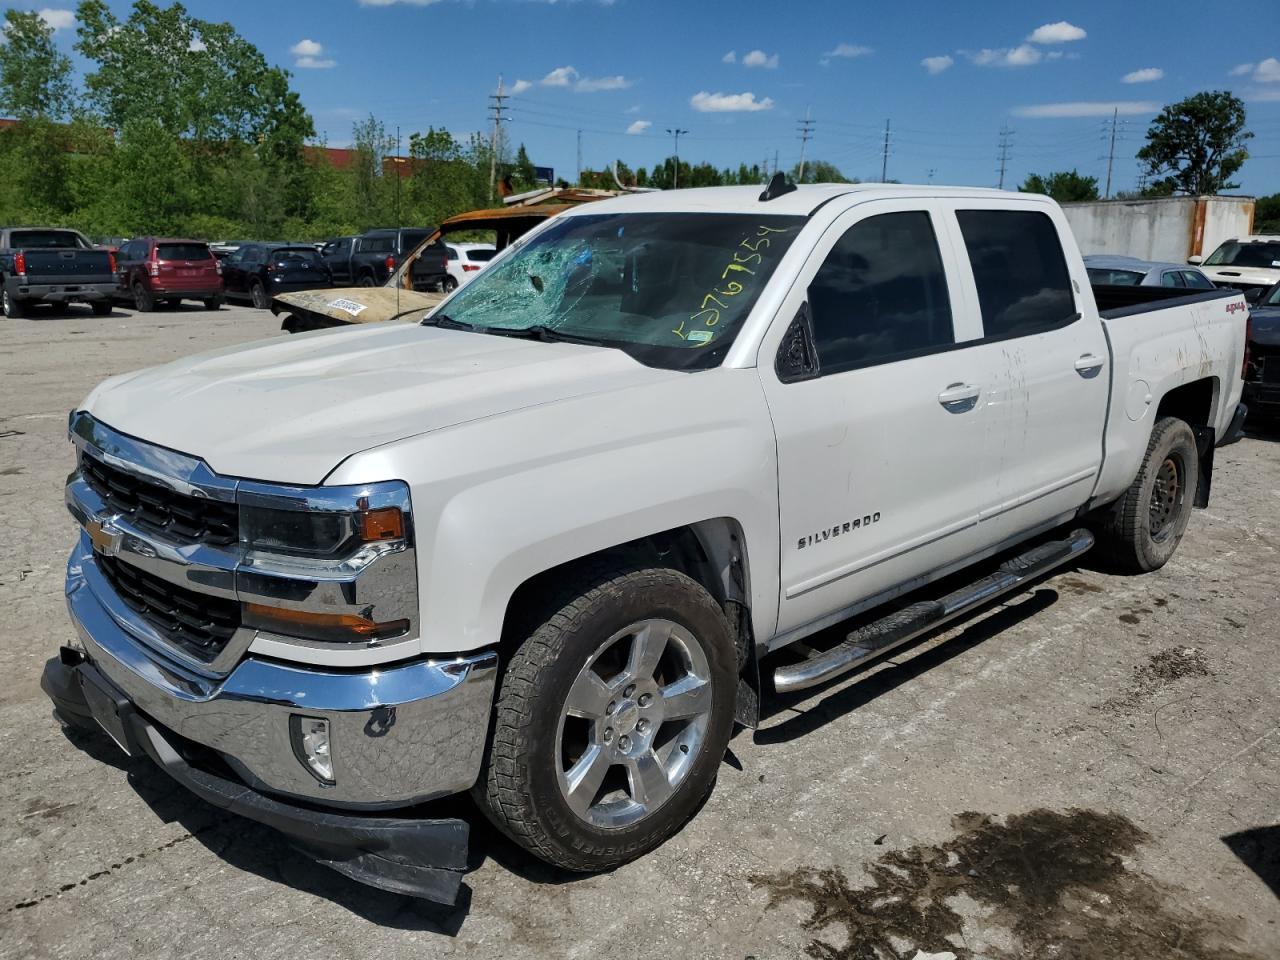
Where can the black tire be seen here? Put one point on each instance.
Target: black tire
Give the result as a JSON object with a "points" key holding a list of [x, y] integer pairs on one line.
{"points": [[14, 308], [258, 296], [213, 303], [365, 280], [102, 308], [289, 324], [142, 299], [448, 284], [518, 787], [1141, 530]]}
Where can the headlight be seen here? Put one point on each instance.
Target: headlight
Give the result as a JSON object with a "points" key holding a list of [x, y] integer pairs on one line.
{"points": [[309, 526]]}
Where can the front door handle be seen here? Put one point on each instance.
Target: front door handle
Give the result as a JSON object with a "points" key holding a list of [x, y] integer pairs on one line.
{"points": [[959, 397], [1088, 365]]}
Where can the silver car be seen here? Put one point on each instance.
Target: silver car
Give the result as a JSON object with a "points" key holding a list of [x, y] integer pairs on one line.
{"points": [[1108, 270]]}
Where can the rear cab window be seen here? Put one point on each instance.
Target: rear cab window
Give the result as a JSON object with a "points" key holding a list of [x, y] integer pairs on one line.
{"points": [[57, 239], [1020, 272]]}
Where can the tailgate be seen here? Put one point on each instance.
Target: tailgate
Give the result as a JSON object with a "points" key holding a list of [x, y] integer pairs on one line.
{"points": [[67, 265]]}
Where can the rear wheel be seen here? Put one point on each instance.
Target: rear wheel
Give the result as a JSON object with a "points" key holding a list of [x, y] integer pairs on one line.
{"points": [[101, 308], [259, 296], [1141, 530], [142, 299], [612, 719], [213, 303], [14, 308], [448, 284]]}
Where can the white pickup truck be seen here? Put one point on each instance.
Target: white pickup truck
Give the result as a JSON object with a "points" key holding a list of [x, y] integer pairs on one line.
{"points": [[546, 544]]}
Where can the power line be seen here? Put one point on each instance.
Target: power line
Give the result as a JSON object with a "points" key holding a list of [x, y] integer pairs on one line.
{"points": [[806, 131]]}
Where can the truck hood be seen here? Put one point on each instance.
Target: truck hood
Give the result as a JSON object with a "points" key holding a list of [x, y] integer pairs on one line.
{"points": [[357, 304], [290, 409], [1252, 276]]}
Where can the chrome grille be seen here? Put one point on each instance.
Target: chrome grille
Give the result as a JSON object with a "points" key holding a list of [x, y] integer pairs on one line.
{"points": [[197, 623], [159, 509]]}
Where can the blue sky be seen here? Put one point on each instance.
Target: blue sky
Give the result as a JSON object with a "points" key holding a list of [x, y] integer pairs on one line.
{"points": [[740, 76]]}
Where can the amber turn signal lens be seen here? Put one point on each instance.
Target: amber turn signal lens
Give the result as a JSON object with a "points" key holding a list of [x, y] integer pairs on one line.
{"points": [[339, 627], [386, 523]]}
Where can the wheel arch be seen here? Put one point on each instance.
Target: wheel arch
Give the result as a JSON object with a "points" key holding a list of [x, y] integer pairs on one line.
{"points": [[1196, 403]]}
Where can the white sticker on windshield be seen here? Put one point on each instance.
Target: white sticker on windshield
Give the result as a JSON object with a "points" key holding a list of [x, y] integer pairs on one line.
{"points": [[699, 336], [350, 306]]}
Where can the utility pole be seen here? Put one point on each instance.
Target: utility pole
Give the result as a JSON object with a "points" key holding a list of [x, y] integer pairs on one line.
{"points": [[764, 169], [806, 131], [578, 182], [675, 173], [497, 108], [932, 171], [775, 163], [884, 160], [1111, 152], [1005, 143]]}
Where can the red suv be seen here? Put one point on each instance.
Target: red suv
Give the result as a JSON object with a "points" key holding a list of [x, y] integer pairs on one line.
{"points": [[152, 270]]}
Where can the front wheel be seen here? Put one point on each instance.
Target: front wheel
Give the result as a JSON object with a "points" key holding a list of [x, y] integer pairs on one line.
{"points": [[1141, 530], [611, 720]]}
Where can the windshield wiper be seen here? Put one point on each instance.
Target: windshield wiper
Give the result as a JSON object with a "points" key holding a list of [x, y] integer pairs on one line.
{"points": [[448, 323], [544, 333]]}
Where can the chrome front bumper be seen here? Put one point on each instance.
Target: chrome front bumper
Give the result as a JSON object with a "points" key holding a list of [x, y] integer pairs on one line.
{"points": [[399, 734]]}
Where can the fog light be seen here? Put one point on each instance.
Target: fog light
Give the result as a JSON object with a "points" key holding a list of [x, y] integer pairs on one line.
{"points": [[310, 737]]}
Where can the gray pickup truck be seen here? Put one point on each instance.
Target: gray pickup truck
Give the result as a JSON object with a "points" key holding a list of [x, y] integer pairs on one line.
{"points": [[49, 265]]}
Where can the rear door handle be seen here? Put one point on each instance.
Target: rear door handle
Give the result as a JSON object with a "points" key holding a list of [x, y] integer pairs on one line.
{"points": [[1088, 365], [959, 397]]}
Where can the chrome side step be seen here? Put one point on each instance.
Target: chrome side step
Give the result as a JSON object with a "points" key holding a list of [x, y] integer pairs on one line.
{"points": [[903, 625]]}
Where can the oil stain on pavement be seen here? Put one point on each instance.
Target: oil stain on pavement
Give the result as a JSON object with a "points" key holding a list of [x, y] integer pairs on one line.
{"points": [[1037, 884]]}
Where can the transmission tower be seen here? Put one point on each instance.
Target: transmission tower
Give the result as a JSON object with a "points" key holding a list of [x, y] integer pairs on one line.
{"points": [[1113, 135], [496, 108], [805, 127], [1006, 141]]}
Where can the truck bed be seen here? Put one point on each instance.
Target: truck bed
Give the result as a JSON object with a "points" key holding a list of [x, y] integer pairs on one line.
{"points": [[1127, 300]]}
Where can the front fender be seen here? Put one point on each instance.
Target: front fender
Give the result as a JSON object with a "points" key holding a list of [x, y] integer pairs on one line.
{"points": [[501, 500]]}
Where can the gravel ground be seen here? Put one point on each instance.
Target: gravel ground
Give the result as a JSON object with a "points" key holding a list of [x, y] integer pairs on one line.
{"points": [[1089, 770]]}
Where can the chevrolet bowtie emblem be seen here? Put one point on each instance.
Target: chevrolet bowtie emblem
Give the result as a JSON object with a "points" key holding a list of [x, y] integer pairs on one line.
{"points": [[103, 536]]}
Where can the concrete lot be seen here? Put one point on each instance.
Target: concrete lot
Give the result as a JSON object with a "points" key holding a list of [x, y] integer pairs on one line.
{"points": [[1089, 770]]}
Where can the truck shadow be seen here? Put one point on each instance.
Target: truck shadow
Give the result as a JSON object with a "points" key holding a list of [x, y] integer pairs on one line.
{"points": [[848, 698]]}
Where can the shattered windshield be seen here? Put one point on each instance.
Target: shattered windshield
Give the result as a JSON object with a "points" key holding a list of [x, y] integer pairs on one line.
{"points": [[671, 289]]}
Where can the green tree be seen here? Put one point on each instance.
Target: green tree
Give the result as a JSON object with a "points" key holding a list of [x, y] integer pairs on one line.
{"points": [[1065, 186], [523, 176], [1195, 146], [1266, 215], [35, 78], [817, 171]]}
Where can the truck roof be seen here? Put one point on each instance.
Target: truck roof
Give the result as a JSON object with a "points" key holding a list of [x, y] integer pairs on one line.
{"points": [[799, 202]]}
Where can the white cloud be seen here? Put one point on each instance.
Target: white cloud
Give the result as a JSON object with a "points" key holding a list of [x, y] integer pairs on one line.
{"points": [[1268, 71], [705, 102], [640, 126], [1082, 108], [1060, 32], [309, 56], [595, 84], [1145, 75], [196, 45], [1242, 70], [633, 109], [758, 58], [58, 19], [1263, 94], [847, 51], [936, 65], [559, 77], [519, 87], [1023, 55], [389, 3], [730, 57]]}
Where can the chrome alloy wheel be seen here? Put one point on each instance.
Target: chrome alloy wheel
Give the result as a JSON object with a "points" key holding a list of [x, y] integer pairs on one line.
{"points": [[633, 723]]}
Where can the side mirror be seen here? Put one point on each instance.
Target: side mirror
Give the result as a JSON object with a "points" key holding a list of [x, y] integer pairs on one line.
{"points": [[1196, 260], [1253, 295]]}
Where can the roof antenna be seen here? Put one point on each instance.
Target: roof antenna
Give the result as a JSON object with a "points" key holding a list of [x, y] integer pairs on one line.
{"points": [[777, 187]]}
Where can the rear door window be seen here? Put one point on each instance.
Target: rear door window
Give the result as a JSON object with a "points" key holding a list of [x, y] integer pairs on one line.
{"points": [[380, 244], [1020, 271], [1172, 278], [481, 256], [183, 251], [881, 294]]}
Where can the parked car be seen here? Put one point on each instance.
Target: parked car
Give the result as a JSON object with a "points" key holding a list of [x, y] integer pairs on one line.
{"points": [[1108, 270], [369, 259], [539, 545], [466, 260], [153, 270], [51, 265], [1244, 262], [1262, 363], [259, 271]]}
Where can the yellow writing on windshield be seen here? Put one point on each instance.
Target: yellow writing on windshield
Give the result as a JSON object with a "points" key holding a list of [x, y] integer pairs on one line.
{"points": [[698, 328]]}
